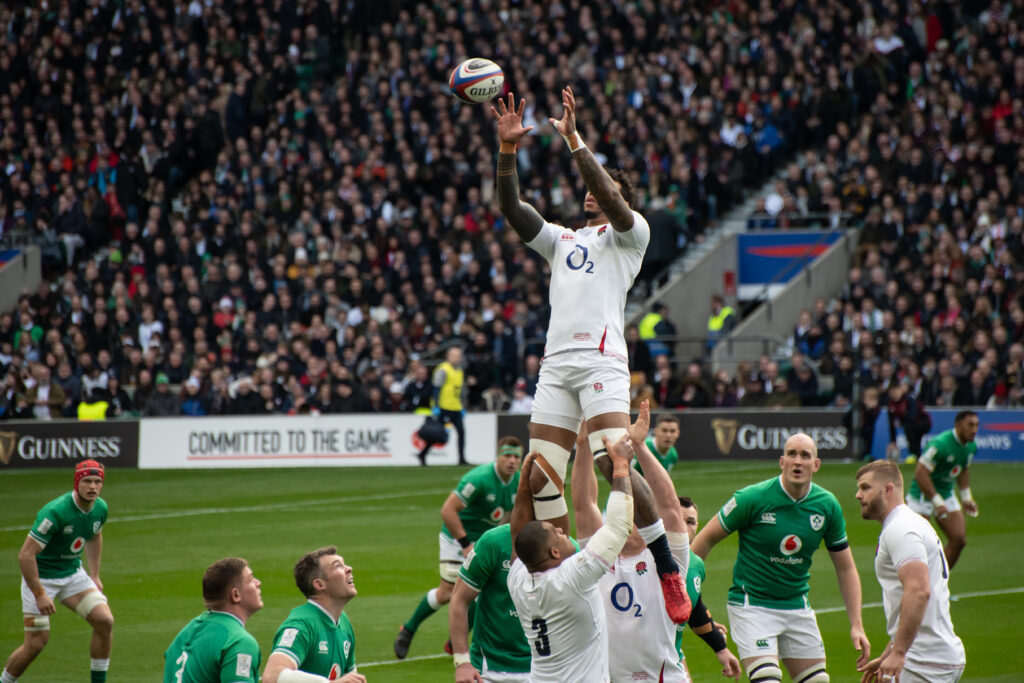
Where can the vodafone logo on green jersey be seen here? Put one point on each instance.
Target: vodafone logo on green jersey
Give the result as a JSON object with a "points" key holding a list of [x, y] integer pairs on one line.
{"points": [[77, 545], [790, 545]]}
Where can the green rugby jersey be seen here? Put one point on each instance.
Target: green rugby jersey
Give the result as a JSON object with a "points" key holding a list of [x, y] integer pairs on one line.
{"points": [[947, 458], [668, 459], [487, 498], [317, 645], [778, 535], [63, 528], [213, 648], [694, 580]]}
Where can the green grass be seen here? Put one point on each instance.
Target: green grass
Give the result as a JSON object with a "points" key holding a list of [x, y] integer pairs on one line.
{"points": [[167, 526]]}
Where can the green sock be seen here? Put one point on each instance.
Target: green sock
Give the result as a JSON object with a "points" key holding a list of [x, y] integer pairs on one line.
{"points": [[97, 676], [471, 614], [423, 610]]}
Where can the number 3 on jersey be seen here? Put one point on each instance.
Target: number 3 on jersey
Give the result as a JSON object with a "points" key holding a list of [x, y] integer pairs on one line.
{"points": [[542, 643], [577, 259]]}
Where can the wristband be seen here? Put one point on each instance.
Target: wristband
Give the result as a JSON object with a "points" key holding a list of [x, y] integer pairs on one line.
{"points": [[714, 638], [938, 500], [965, 494], [460, 658], [575, 143], [620, 473], [464, 541]]}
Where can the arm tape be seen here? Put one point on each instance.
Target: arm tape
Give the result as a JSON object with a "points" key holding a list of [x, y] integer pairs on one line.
{"points": [[714, 638], [464, 541], [608, 541], [296, 676]]}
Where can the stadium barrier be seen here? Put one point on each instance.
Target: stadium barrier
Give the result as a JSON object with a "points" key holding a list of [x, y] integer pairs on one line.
{"points": [[62, 442], [1000, 434], [746, 434], [350, 440]]}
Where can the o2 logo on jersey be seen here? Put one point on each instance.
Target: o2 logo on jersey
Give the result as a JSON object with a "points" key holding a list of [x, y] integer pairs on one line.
{"points": [[77, 545], [955, 472], [791, 545], [575, 263]]}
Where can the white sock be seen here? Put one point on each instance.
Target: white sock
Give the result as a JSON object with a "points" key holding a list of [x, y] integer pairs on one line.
{"points": [[7, 677], [652, 532], [432, 599], [99, 664]]}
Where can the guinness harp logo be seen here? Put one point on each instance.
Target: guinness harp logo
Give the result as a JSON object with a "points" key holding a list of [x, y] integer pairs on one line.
{"points": [[8, 441], [725, 433]]}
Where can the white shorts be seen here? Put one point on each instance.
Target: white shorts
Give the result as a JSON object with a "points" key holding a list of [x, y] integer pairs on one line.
{"points": [[451, 558], [921, 674], [58, 589], [491, 676], [925, 507], [579, 384], [781, 633]]}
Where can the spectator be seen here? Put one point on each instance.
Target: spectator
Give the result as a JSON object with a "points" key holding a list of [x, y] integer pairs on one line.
{"points": [[45, 396], [721, 321], [162, 403]]}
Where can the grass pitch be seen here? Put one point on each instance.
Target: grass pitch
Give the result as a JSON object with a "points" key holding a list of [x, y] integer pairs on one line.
{"points": [[167, 526]]}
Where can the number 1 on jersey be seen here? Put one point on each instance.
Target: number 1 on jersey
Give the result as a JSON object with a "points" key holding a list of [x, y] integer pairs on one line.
{"points": [[182, 659]]}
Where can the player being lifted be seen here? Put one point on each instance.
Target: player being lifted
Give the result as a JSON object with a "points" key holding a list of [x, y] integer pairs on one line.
{"points": [[944, 463], [584, 372], [781, 522]]}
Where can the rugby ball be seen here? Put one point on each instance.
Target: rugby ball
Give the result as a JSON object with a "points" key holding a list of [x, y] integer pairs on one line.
{"points": [[476, 80]]}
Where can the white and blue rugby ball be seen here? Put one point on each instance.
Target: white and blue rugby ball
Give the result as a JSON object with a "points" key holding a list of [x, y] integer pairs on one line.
{"points": [[476, 80]]}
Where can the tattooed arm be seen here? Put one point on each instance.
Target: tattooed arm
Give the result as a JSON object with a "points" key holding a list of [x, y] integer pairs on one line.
{"points": [[523, 218], [602, 187]]}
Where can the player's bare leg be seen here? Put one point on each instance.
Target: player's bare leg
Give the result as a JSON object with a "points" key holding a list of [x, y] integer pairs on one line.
{"points": [[810, 670], [554, 444], [102, 621], [954, 525], [645, 514], [26, 653]]}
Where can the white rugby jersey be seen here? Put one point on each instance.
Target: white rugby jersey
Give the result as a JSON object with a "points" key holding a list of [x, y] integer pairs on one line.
{"points": [[907, 536], [641, 637], [592, 270], [561, 614]]}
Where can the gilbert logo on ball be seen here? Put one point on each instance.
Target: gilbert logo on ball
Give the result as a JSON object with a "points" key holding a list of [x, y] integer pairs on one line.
{"points": [[476, 80]]}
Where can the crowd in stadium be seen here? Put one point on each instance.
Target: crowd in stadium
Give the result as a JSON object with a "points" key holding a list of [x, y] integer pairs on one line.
{"points": [[279, 209]]}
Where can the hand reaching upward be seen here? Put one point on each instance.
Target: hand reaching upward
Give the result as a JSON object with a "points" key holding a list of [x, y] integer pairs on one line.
{"points": [[510, 120], [567, 124]]}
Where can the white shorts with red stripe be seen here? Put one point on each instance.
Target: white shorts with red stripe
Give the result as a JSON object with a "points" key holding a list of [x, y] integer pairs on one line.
{"points": [[578, 384]]}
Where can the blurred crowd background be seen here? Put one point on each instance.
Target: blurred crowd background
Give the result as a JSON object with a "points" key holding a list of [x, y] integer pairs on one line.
{"points": [[275, 207]]}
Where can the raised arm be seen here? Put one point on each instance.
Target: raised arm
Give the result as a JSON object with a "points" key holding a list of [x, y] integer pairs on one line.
{"points": [[584, 488], [523, 218], [657, 477], [602, 187], [522, 510]]}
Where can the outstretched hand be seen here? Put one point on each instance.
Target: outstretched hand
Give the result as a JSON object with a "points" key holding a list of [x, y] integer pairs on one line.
{"points": [[567, 124], [510, 120], [638, 430]]}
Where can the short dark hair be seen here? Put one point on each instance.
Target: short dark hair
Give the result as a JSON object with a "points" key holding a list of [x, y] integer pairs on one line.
{"points": [[666, 417], [625, 185], [533, 544], [886, 471], [220, 577], [963, 415], [308, 568], [687, 502]]}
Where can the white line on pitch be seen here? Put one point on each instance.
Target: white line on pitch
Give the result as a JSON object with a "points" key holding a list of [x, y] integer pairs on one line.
{"points": [[255, 508], [954, 598], [389, 662]]}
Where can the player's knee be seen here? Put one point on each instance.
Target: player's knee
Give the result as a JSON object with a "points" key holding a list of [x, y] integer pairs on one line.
{"points": [[813, 674], [546, 481], [102, 621], [89, 602], [764, 670]]}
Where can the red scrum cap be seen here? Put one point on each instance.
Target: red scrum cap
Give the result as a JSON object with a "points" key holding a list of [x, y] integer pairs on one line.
{"points": [[88, 468]]}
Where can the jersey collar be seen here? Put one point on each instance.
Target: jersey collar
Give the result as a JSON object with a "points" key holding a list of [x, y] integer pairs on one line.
{"points": [[227, 614], [326, 613], [956, 437], [501, 478], [74, 499], [795, 500]]}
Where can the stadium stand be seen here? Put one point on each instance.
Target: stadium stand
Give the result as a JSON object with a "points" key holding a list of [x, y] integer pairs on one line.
{"points": [[278, 209]]}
